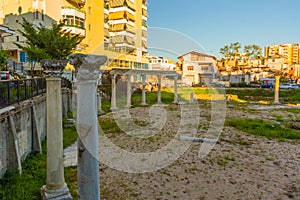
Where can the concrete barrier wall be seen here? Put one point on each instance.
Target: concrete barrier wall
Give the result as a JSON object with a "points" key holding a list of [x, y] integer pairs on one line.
{"points": [[22, 128]]}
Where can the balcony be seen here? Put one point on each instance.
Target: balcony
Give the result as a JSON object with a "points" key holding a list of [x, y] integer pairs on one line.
{"points": [[145, 13], [121, 15], [65, 10], [144, 44], [121, 27], [77, 3], [74, 20], [122, 3], [124, 33], [120, 40], [144, 7], [75, 30]]}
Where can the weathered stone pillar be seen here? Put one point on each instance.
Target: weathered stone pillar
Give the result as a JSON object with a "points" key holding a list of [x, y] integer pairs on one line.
{"points": [[55, 187], [159, 89], [276, 91], [175, 89], [113, 93], [99, 105], [128, 77], [87, 124], [192, 98], [144, 90]]}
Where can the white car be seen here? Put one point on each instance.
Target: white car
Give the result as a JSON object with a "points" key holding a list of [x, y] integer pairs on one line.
{"points": [[285, 86], [294, 86]]}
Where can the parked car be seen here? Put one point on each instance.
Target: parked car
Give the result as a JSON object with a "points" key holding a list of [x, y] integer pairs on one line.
{"points": [[5, 75], [285, 86], [294, 86], [266, 85]]}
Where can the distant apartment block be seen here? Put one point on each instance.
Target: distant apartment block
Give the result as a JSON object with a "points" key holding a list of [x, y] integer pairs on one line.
{"points": [[288, 52], [116, 28]]}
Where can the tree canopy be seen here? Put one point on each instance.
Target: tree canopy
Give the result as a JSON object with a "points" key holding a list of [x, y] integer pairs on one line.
{"points": [[253, 51], [3, 60], [47, 43]]}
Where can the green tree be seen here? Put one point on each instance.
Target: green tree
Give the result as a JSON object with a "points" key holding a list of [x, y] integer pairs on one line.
{"points": [[235, 47], [48, 43], [225, 51], [253, 51], [3, 60], [229, 51]]}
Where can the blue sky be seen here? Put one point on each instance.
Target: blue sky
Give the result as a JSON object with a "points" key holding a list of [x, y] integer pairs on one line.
{"points": [[215, 23]]}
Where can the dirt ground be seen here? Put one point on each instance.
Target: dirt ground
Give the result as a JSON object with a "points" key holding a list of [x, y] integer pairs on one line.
{"points": [[240, 166]]}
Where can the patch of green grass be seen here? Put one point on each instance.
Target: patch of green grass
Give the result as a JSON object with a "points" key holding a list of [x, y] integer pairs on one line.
{"points": [[167, 97], [286, 96], [262, 128], [28, 184], [290, 110], [71, 181], [109, 125], [34, 172], [69, 137], [278, 117]]}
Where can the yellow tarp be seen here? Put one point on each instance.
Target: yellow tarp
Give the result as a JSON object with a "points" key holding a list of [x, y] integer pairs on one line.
{"points": [[116, 15], [116, 3]]}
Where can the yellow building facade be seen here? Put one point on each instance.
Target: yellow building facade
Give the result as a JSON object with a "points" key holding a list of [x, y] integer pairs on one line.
{"points": [[289, 52], [116, 28]]}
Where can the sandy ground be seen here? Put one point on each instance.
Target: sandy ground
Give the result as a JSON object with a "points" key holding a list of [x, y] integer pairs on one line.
{"points": [[240, 166]]}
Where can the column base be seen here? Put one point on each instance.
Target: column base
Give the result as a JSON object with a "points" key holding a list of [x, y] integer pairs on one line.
{"points": [[114, 109], [101, 112], [59, 194], [144, 104], [277, 103], [130, 106]]}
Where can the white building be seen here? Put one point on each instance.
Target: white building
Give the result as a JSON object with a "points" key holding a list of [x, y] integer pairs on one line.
{"points": [[197, 68], [160, 63]]}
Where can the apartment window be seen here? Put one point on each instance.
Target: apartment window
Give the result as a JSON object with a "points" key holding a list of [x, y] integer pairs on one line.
{"points": [[90, 10], [17, 38], [90, 27], [35, 15], [74, 21]]}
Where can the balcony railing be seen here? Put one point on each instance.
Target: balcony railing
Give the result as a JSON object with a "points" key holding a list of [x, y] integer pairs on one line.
{"points": [[75, 30], [16, 91], [77, 3]]}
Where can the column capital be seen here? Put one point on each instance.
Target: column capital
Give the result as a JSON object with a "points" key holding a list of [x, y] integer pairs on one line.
{"points": [[53, 68], [88, 66]]}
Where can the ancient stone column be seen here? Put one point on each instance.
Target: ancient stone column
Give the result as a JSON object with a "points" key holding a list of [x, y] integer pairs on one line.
{"points": [[128, 77], [159, 89], [276, 91], [144, 90], [87, 124], [113, 93], [55, 187], [176, 90], [99, 105], [192, 98]]}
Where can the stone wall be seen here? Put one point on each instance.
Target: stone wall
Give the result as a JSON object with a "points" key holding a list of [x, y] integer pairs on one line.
{"points": [[23, 127]]}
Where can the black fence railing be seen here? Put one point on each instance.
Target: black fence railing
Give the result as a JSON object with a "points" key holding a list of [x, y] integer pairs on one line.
{"points": [[16, 91]]}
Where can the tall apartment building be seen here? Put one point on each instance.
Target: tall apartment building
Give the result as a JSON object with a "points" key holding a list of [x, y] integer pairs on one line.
{"points": [[290, 53], [116, 28]]}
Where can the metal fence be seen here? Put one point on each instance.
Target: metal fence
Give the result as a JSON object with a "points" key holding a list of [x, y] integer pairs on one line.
{"points": [[16, 91]]}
